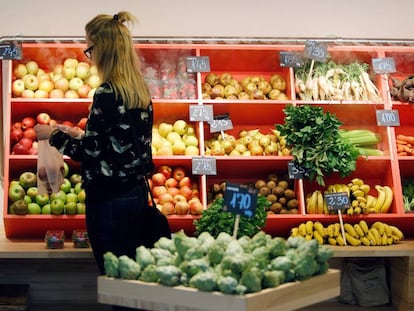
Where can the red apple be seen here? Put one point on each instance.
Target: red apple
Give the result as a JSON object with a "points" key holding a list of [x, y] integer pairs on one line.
{"points": [[68, 123], [53, 122], [165, 170], [181, 208], [30, 133], [178, 173], [195, 206], [179, 197], [19, 148], [158, 190], [16, 125], [158, 179], [82, 123], [196, 193], [84, 90], [167, 208], [15, 135], [171, 183], [28, 122], [43, 118], [27, 142], [174, 191], [165, 197], [56, 93], [185, 181], [187, 192]]}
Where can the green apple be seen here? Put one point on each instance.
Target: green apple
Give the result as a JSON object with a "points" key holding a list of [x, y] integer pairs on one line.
{"points": [[16, 192], [27, 199], [34, 208], [28, 179], [66, 185], [65, 169], [57, 207], [19, 207], [58, 195], [46, 209], [14, 182], [70, 208], [80, 208], [75, 178], [71, 197], [78, 187], [42, 199], [32, 192], [82, 196]]}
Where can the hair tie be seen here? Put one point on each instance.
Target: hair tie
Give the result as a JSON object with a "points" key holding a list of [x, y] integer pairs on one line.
{"points": [[116, 17]]}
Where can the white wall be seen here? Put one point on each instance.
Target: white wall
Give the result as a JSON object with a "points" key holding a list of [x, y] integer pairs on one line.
{"points": [[370, 19]]}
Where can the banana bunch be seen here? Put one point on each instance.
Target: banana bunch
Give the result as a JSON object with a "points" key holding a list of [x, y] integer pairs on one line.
{"points": [[383, 202], [315, 203], [359, 197], [357, 234]]}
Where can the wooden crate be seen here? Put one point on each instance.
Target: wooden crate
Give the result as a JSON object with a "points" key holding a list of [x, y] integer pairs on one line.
{"points": [[151, 296]]}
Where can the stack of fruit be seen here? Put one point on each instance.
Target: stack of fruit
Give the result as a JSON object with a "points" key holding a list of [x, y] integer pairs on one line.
{"points": [[361, 199], [175, 192], [24, 197], [379, 233], [72, 79]]}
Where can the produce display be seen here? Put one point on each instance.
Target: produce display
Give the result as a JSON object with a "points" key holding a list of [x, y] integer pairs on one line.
{"points": [[225, 86], [251, 142], [402, 90], [405, 145], [359, 193], [360, 233], [175, 192], [177, 138], [331, 81], [24, 198], [71, 79], [231, 266]]}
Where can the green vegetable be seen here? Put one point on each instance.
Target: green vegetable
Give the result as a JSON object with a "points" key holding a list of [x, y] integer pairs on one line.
{"points": [[183, 243], [129, 269], [194, 266], [315, 142], [281, 263], [111, 264], [165, 243], [168, 275], [163, 257], [324, 253], [149, 274], [144, 257], [205, 281], [276, 246], [252, 279], [214, 220], [273, 278], [215, 254], [408, 193], [237, 263], [365, 141], [227, 284]]}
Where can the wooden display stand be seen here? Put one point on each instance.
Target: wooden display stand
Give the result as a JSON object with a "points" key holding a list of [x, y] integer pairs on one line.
{"points": [[151, 296]]}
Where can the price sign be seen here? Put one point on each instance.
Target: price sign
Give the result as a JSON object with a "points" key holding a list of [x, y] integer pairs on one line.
{"points": [[204, 166], [220, 125], [198, 64], [337, 201], [10, 52], [240, 199], [201, 113], [290, 59], [316, 51], [388, 118], [296, 172], [383, 65]]}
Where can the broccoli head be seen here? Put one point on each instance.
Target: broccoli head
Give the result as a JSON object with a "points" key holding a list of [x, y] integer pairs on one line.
{"points": [[273, 278], [192, 267], [183, 243], [215, 254], [283, 263], [149, 274], [227, 284], [111, 263], [168, 275], [165, 243], [144, 257], [237, 263], [252, 280], [129, 269], [204, 281]]}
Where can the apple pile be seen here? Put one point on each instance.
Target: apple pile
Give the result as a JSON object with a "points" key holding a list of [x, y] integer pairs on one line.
{"points": [[175, 192], [225, 86], [178, 138], [72, 79], [24, 198], [23, 139], [247, 143]]}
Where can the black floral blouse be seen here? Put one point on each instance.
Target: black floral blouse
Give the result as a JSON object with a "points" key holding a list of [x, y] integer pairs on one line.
{"points": [[110, 163]]}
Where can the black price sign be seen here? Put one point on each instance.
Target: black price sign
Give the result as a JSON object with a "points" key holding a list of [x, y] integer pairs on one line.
{"points": [[204, 166], [290, 59], [201, 113], [296, 172], [198, 64], [316, 51], [220, 125], [388, 118], [383, 65], [240, 199], [10, 52], [337, 201]]}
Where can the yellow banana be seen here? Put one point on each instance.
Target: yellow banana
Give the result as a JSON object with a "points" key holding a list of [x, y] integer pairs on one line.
{"points": [[364, 226], [379, 226], [352, 240], [330, 230], [350, 211], [318, 237], [397, 232], [362, 200], [302, 229], [294, 232], [359, 230], [319, 202], [390, 240], [384, 240], [325, 208], [358, 193], [354, 188], [389, 195], [351, 230], [340, 241], [345, 189], [311, 205], [370, 201], [309, 227], [319, 227], [388, 230], [376, 235], [354, 203], [380, 199], [337, 229], [371, 238], [357, 181], [357, 210], [309, 237], [365, 241], [332, 241], [365, 188], [331, 189]]}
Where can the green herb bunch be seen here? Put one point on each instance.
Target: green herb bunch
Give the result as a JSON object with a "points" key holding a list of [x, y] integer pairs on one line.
{"points": [[316, 144]]}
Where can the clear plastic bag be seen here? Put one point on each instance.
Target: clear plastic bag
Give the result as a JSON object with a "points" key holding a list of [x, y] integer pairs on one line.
{"points": [[50, 168]]}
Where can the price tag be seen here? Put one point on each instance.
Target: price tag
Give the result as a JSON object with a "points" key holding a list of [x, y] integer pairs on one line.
{"points": [[220, 125], [240, 199], [337, 201], [201, 113], [383, 65], [204, 166], [290, 59], [198, 64], [296, 172], [388, 117], [316, 51], [10, 52]]}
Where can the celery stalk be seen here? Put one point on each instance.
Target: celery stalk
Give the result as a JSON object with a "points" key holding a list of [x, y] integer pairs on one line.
{"points": [[369, 151]]}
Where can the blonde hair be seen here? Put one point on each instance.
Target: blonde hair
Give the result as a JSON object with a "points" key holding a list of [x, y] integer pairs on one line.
{"points": [[116, 59]]}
